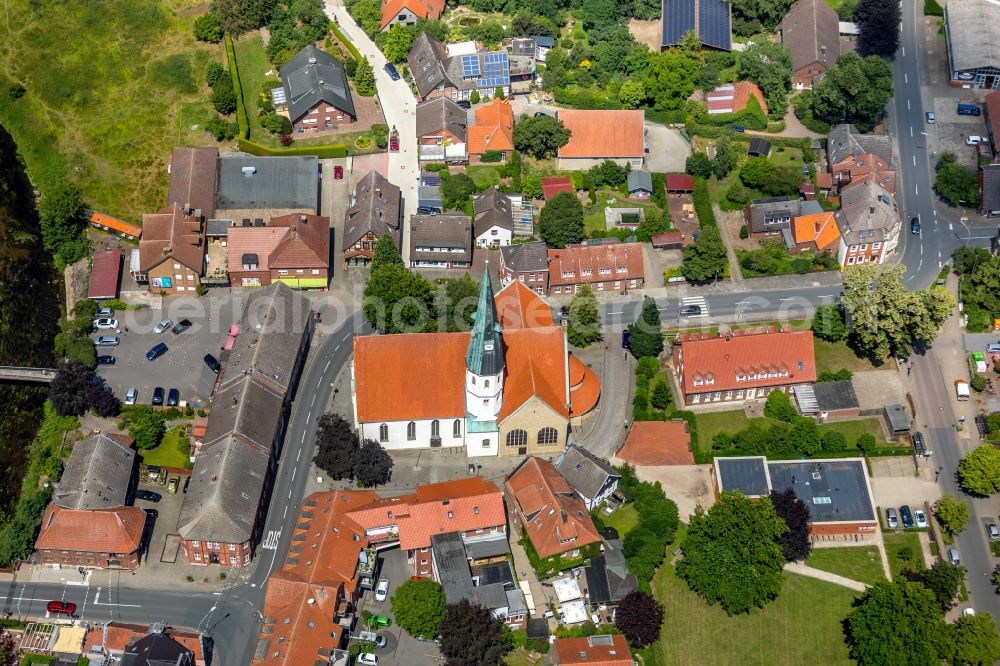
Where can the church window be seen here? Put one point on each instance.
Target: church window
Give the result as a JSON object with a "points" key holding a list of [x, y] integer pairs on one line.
{"points": [[487, 385], [473, 380], [517, 438], [383, 432], [548, 436], [411, 431], [435, 428], [456, 428]]}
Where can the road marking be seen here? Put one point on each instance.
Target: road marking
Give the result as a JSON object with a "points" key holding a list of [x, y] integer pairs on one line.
{"points": [[914, 160], [907, 102], [327, 366], [313, 400], [911, 132], [100, 603], [904, 51], [346, 337], [303, 440], [294, 470], [614, 313], [271, 540], [921, 249], [785, 299], [335, 349], [916, 189], [299, 454], [906, 79], [309, 416], [285, 513], [949, 226]]}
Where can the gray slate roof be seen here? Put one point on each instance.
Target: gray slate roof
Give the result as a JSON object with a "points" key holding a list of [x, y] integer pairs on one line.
{"points": [[811, 32], [97, 474], [451, 230], [314, 76], [640, 180], [492, 208], [427, 64], [376, 209], [455, 576], [439, 114], [772, 214], [867, 213], [156, 649], [608, 579], [247, 410], [585, 472], [991, 188], [277, 182], [832, 396], [525, 257], [899, 421], [974, 32], [845, 140]]}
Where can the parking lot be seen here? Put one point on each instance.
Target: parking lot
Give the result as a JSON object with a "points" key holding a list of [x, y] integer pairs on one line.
{"points": [[951, 129], [169, 511]]}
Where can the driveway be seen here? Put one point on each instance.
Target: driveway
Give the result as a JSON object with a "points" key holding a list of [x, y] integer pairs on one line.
{"points": [[668, 151]]}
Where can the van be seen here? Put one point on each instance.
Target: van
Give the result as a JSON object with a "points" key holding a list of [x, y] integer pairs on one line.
{"points": [[106, 341], [968, 110], [953, 556], [961, 389], [372, 637], [993, 348]]}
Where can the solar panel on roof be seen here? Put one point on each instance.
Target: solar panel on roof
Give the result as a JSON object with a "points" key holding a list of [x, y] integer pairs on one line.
{"points": [[470, 66], [678, 20], [714, 23]]}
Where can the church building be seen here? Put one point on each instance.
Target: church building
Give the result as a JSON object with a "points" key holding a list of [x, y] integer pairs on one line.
{"points": [[511, 386]]}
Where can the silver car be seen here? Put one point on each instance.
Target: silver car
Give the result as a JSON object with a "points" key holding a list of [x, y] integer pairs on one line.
{"points": [[106, 341], [162, 326], [131, 395]]}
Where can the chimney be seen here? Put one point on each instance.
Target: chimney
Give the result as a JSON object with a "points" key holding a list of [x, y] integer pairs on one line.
{"points": [[215, 477], [187, 209], [871, 209], [817, 226], [312, 60], [303, 219]]}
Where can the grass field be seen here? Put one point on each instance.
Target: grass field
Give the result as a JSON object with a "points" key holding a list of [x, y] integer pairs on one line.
{"points": [[168, 453], [832, 356], [710, 423], [483, 175], [623, 520], [109, 89], [593, 217], [857, 563], [896, 542], [254, 65]]}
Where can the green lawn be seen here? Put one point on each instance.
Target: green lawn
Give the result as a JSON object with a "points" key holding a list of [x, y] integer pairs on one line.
{"points": [[897, 541], [710, 423], [623, 520], [169, 453], [253, 64], [852, 429], [593, 218], [483, 176], [832, 356], [857, 563]]}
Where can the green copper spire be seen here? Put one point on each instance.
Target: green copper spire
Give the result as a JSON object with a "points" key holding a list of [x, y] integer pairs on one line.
{"points": [[485, 354]]}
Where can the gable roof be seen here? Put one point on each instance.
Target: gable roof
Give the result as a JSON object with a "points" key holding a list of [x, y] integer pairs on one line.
{"points": [[760, 211], [115, 637], [105, 271], [845, 141], [553, 517], [819, 228], [426, 61], [599, 650], [170, 234], [281, 183], [733, 98], [532, 256], [298, 625], [156, 649], [608, 577], [679, 182], [566, 265], [425, 9], [117, 531], [602, 133], [584, 471], [711, 19], [307, 243], [858, 168], [491, 209], [313, 76], [193, 173], [520, 307], [434, 232], [989, 176], [375, 209], [553, 185], [811, 33], [973, 31], [867, 213], [639, 180], [439, 114], [258, 241], [992, 107], [494, 128], [536, 367], [98, 473]]}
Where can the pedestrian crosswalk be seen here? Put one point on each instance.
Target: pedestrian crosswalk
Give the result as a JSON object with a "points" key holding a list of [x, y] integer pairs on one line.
{"points": [[689, 303], [271, 540]]}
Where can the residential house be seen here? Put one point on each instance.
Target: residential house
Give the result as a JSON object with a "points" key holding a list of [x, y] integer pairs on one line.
{"points": [[605, 267], [111, 639], [543, 507], [869, 224], [811, 33], [193, 176], [768, 217], [493, 219], [608, 577], [222, 512], [527, 263], [711, 20], [522, 64], [376, 210], [733, 98], [601, 135], [317, 92], [591, 478], [493, 131], [455, 70], [854, 157], [252, 190], [442, 132], [640, 184], [989, 190], [971, 29], [817, 232], [294, 249], [157, 649], [172, 249], [597, 650], [408, 12], [87, 523], [441, 241], [742, 365], [542, 46], [991, 113], [479, 572]]}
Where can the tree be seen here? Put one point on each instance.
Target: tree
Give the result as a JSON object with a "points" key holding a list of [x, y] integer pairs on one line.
{"points": [[652, 223], [540, 137], [751, 17], [224, 98], [698, 164], [639, 617], [878, 28], [147, 428], [372, 464], [756, 172], [456, 190], [397, 300], [795, 543], [336, 446], [397, 43], [979, 472], [472, 636], [855, 88], [887, 318], [9, 654], [561, 220], [608, 174], [661, 397], [385, 253], [474, 97], [532, 185], [456, 303], [214, 72], [584, 325], [731, 553], [69, 390], [208, 28], [805, 435], [632, 94], [779, 406], [952, 513], [943, 579], [64, 217], [239, 16], [418, 606], [364, 78], [975, 640], [725, 158], [769, 65], [221, 129], [646, 334], [833, 441], [865, 443], [896, 623], [275, 123], [828, 323], [956, 184], [706, 259], [104, 403]]}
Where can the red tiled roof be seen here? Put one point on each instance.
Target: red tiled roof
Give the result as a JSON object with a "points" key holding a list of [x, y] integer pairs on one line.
{"points": [[520, 307], [721, 359], [104, 530], [425, 9], [170, 234], [679, 182], [107, 222], [299, 615], [260, 241], [115, 636], [818, 228], [667, 238], [494, 128], [860, 168], [584, 387], [658, 443], [555, 184], [307, 244], [574, 260], [535, 368], [592, 651], [554, 518], [733, 97], [105, 273], [601, 133], [824, 180]]}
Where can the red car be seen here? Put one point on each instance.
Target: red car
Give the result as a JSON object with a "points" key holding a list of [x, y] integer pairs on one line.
{"points": [[338, 172], [61, 608], [394, 144]]}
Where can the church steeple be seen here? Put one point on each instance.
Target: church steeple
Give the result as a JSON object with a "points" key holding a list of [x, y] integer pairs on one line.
{"points": [[485, 354]]}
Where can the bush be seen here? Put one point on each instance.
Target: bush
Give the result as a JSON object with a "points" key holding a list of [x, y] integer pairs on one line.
{"points": [[276, 124], [214, 72], [744, 232], [223, 98], [779, 406], [474, 97], [932, 8], [978, 383], [208, 28], [221, 129], [491, 156]]}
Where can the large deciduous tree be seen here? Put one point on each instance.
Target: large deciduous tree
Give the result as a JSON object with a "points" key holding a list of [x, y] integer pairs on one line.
{"points": [[706, 259], [975, 640], [385, 253], [731, 553], [795, 544], [952, 513], [397, 300], [561, 220], [64, 217], [540, 137], [472, 636], [418, 606], [639, 616], [456, 190], [943, 579], [878, 27], [646, 334], [855, 88], [955, 183], [751, 17], [456, 301], [888, 318], [979, 472], [336, 446], [239, 16], [584, 325], [70, 388], [208, 28], [372, 464], [768, 64], [828, 323], [397, 42]]}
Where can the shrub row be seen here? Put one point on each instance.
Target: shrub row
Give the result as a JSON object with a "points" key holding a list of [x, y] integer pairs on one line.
{"points": [[346, 42], [242, 119], [333, 150]]}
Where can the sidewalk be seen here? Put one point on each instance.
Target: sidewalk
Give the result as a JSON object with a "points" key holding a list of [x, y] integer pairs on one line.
{"points": [[804, 570], [524, 572]]}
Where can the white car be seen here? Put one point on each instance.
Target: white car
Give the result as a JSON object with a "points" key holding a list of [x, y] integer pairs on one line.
{"points": [[131, 395], [162, 326], [920, 518], [974, 140], [105, 323], [367, 659], [968, 612], [382, 590]]}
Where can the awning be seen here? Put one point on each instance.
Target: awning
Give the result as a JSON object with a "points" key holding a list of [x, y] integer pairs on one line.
{"points": [[305, 283]]}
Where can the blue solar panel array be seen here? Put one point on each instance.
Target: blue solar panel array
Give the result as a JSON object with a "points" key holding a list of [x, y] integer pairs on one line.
{"points": [[714, 24], [470, 66], [678, 20], [496, 71]]}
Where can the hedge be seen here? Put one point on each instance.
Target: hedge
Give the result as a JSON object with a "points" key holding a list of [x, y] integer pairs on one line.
{"points": [[335, 29], [332, 150], [932, 8], [242, 119], [703, 203], [548, 566], [751, 117], [706, 457]]}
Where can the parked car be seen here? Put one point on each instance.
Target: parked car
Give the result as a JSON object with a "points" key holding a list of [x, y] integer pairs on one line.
{"points": [[156, 352], [954, 557], [173, 397], [690, 310], [906, 516], [131, 395], [106, 359], [157, 396], [162, 326], [890, 518], [367, 659], [105, 322], [993, 348], [61, 608], [382, 590], [338, 172], [152, 514], [379, 621], [968, 109], [427, 210], [212, 363], [464, 104], [915, 226], [974, 140], [105, 312], [920, 518], [991, 529], [931, 117], [391, 70], [394, 144], [106, 341], [148, 495], [181, 326], [371, 637]]}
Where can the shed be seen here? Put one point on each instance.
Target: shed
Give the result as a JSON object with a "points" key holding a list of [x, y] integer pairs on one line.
{"points": [[759, 147], [837, 399], [105, 274], [556, 184], [538, 628], [640, 184], [679, 183], [668, 240], [897, 419]]}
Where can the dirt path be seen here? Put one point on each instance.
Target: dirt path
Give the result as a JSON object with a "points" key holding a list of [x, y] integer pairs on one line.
{"points": [[735, 274]]}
